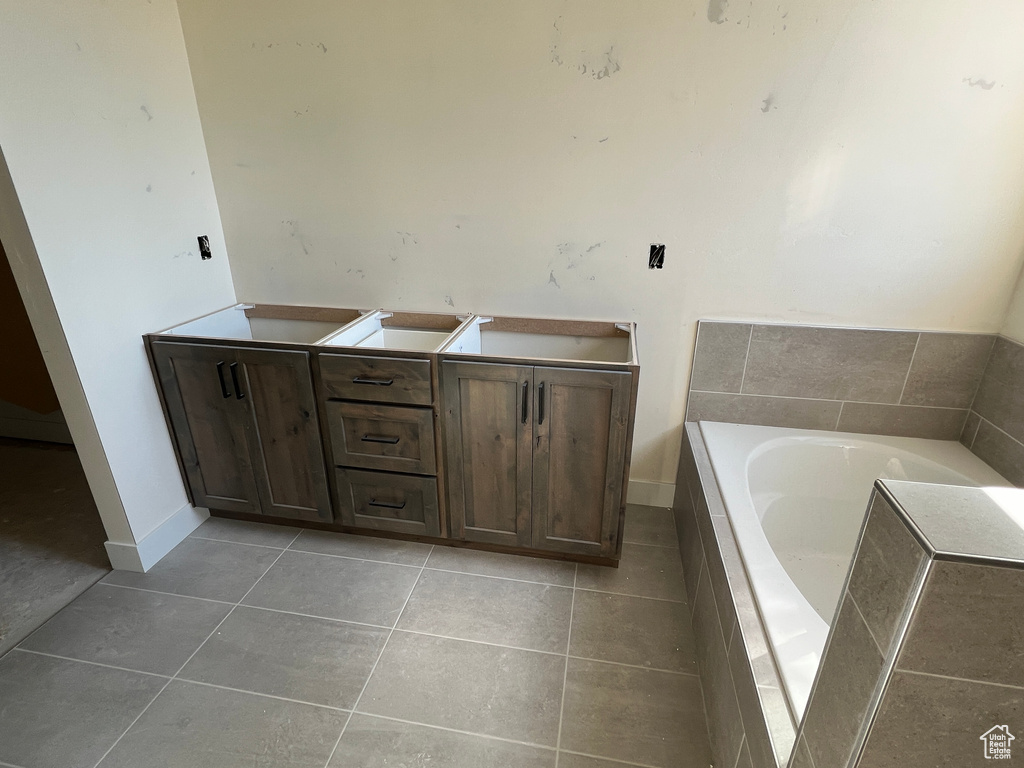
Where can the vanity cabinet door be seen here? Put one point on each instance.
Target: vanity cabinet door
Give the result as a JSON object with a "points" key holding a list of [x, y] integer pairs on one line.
{"points": [[488, 430], [581, 423], [284, 436], [244, 421], [208, 424]]}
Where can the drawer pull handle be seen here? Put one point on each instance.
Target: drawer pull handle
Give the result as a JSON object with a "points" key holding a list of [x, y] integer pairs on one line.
{"points": [[526, 389], [540, 403], [234, 377], [375, 382], [380, 439], [223, 384], [387, 504]]}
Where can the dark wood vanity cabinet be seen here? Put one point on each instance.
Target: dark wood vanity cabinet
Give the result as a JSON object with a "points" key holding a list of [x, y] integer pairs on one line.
{"points": [[536, 454], [505, 433], [244, 421]]}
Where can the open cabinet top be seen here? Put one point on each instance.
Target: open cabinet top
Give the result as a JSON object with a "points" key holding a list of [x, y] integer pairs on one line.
{"points": [[580, 341]]}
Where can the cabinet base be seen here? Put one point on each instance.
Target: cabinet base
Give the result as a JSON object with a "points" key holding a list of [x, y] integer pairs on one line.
{"points": [[612, 562]]}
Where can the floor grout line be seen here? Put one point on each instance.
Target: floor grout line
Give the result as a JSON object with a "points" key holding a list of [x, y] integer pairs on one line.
{"points": [[548, 747], [191, 656], [647, 544], [565, 673], [239, 543], [634, 666], [264, 695], [160, 592], [503, 578], [92, 663], [383, 648], [353, 557], [609, 759], [254, 607], [478, 642], [626, 594]]}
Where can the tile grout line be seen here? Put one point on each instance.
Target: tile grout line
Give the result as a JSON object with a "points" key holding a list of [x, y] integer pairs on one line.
{"points": [[239, 543], [739, 752], [191, 656], [626, 594], [833, 400], [373, 626], [92, 663], [917, 343], [957, 679], [546, 747], [746, 358], [503, 578], [634, 666], [380, 656], [860, 614], [478, 642], [254, 607], [996, 427], [263, 695], [609, 759], [656, 546], [565, 673], [158, 592]]}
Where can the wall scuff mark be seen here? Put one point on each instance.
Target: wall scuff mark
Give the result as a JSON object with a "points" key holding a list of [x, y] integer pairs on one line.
{"points": [[716, 11], [145, 111], [552, 280], [985, 85]]}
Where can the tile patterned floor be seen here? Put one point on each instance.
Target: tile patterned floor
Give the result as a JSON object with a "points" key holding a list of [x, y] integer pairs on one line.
{"points": [[260, 645]]}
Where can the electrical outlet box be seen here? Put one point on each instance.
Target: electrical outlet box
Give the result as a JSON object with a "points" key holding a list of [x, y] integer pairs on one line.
{"points": [[657, 259]]}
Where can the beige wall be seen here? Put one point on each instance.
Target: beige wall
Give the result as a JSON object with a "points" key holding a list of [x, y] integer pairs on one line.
{"points": [[1013, 325], [105, 187], [853, 162]]}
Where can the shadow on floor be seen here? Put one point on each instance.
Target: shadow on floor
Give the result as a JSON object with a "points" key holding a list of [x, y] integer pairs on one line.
{"points": [[51, 537]]}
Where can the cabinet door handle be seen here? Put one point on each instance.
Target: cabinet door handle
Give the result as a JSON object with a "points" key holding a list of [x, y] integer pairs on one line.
{"points": [[234, 378], [223, 384], [375, 382], [380, 439], [526, 389], [540, 403], [387, 504]]}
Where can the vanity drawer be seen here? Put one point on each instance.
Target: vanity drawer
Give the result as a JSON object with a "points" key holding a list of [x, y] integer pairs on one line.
{"points": [[390, 437], [376, 379], [386, 502]]}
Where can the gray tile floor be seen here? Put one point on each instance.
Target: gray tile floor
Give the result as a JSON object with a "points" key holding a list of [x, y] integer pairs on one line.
{"points": [[257, 645]]}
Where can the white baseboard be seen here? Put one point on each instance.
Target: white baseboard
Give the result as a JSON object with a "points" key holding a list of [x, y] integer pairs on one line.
{"points": [[145, 554], [650, 494]]}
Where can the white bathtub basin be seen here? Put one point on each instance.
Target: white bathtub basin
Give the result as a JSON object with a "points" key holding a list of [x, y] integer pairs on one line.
{"points": [[796, 500]]}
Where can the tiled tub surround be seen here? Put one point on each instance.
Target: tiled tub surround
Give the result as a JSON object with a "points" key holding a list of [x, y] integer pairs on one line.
{"points": [[994, 429], [886, 382], [795, 500], [927, 652], [749, 721]]}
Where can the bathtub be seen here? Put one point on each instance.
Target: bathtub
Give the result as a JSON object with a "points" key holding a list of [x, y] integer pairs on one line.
{"points": [[796, 500]]}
